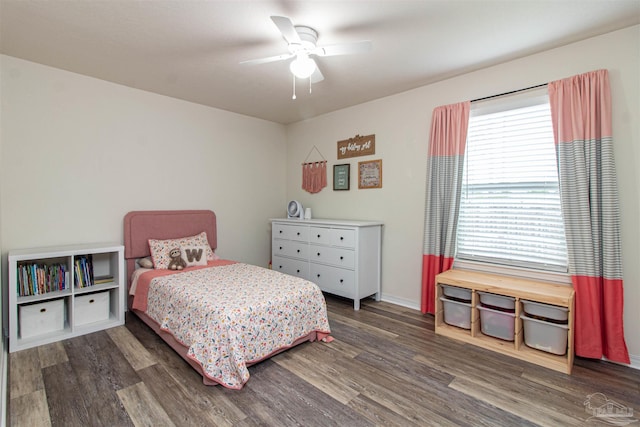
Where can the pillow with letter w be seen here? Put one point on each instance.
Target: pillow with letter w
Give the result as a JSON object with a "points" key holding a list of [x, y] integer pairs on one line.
{"points": [[194, 255]]}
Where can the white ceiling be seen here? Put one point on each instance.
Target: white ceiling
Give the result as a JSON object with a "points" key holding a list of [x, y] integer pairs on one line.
{"points": [[191, 49]]}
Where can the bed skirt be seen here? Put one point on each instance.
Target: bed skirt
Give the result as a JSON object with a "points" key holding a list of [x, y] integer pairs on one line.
{"points": [[182, 349]]}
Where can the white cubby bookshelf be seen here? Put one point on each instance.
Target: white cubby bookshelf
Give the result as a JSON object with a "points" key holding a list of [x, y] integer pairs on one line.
{"points": [[107, 261]]}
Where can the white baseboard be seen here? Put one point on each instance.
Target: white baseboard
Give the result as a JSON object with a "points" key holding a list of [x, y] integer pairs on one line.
{"points": [[635, 362], [400, 301], [4, 367]]}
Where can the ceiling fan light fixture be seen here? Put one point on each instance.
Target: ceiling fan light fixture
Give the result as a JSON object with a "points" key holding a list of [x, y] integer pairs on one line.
{"points": [[302, 67]]}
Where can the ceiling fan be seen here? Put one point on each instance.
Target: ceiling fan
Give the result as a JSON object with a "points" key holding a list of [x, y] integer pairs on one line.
{"points": [[302, 45]]}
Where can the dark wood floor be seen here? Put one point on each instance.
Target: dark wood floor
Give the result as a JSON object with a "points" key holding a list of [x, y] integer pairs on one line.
{"points": [[385, 367]]}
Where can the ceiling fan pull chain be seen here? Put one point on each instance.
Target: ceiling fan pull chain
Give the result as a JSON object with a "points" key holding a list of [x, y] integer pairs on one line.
{"points": [[309, 85], [294, 88]]}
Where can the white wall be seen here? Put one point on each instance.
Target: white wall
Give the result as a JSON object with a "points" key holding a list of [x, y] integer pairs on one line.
{"points": [[79, 153], [401, 124]]}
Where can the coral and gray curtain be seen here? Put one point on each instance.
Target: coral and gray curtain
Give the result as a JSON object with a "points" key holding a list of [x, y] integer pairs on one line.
{"points": [[581, 114], [445, 166]]}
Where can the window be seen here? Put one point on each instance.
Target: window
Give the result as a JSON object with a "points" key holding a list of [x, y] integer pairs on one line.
{"points": [[510, 203]]}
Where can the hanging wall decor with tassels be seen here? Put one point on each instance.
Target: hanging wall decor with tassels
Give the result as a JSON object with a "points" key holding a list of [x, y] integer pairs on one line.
{"points": [[314, 174]]}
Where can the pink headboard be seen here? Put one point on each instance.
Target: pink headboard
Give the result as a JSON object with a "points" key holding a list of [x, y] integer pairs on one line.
{"points": [[140, 226]]}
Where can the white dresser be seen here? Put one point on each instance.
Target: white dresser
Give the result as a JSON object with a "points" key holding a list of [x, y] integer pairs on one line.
{"points": [[341, 257]]}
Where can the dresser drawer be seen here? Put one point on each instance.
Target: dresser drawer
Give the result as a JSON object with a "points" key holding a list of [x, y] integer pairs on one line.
{"points": [[320, 235], [294, 267], [290, 248], [334, 280], [335, 256], [290, 232], [333, 237], [343, 237]]}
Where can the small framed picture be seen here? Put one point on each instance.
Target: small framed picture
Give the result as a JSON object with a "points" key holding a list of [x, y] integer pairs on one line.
{"points": [[341, 177], [370, 174]]}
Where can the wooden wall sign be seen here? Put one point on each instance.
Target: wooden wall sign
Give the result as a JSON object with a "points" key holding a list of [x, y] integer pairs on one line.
{"points": [[357, 146]]}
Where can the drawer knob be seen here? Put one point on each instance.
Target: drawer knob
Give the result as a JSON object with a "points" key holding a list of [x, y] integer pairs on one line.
{"points": [[318, 236], [42, 310], [298, 233], [341, 280], [318, 253], [280, 247], [341, 258], [280, 231], [318, 274], [297, 271], [298, 250], [280, 267], [341, 238]]}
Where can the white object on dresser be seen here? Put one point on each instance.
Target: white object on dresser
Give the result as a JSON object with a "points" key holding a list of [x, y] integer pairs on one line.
{"points": [[108, 264], [341, 257]]}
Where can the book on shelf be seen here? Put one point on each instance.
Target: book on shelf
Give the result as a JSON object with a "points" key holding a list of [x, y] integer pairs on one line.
{"points": [[39, 279], [100, 280], [83, 269]]}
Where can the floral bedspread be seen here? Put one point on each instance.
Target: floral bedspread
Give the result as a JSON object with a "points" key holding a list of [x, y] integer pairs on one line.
{"points": [[235, 314]]}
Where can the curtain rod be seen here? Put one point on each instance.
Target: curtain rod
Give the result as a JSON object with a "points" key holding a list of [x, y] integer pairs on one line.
{"points": [[509, 93]]}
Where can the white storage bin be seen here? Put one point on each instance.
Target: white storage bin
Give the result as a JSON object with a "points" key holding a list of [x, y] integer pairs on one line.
{"points": [[545, 310], [455, 292], [457, 313], [545, 336], [42, 318], [91, 308], [496, 323], [494, 300]]}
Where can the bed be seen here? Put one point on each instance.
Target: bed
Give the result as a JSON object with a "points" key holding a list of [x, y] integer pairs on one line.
{"points": [[221, 316]]}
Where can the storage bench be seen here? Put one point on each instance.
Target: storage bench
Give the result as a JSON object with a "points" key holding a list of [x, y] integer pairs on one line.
{"points": [[559, 301]]}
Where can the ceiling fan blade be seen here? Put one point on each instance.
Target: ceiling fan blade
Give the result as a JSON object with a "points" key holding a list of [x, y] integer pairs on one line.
{"points": [[343, 48], [269, 59], [287, 29], [317, 76]]}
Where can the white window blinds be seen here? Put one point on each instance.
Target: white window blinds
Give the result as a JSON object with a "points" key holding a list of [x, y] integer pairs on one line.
{"points": [[510, 204]]}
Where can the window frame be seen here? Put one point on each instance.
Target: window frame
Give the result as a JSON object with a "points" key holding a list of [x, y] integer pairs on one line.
{"points": [[495, 105]]}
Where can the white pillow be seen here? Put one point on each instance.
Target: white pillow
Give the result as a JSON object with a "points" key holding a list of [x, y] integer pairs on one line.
{"points": [[160, 248], [145, 262]]}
